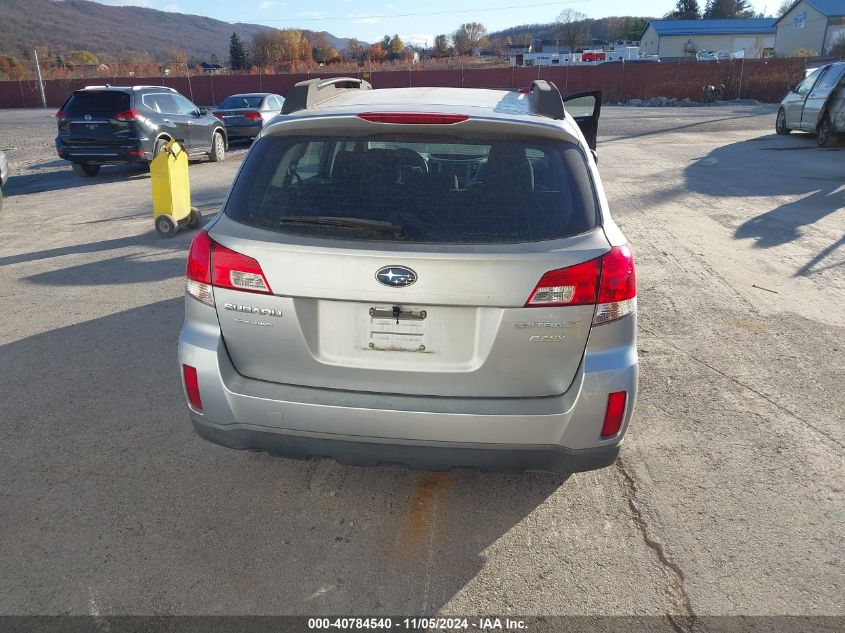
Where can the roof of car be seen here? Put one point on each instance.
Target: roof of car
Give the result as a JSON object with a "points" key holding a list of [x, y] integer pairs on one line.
{"points": [[125, 88], [491, 103], [251, 94]]}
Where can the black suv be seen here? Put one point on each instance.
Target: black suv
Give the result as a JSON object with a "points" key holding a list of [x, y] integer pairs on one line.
{"points": [[101, 125]]}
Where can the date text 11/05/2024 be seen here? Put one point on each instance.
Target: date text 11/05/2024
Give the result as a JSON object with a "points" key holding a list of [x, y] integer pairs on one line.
{"points": [[418, 624]]}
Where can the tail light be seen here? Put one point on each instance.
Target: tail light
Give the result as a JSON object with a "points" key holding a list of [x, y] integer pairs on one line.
{"points": [[614, 414], [609, 282], [238, 272], [252, 116], [192, 387], [218, 115], [211, 264], [573, 286], [61, 115], [413, 118], [618, 288], [130, 115]]}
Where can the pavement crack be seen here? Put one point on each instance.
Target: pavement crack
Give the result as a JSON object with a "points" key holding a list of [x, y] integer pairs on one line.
{"points": [[683, 617], [770, 400]]}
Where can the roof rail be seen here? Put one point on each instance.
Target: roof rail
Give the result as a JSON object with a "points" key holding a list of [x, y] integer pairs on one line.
{"points": [[546, 99], [307, 94]]}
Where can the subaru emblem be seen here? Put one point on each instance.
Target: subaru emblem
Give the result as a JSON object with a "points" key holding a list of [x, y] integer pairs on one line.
{"points": [[396, 276]]}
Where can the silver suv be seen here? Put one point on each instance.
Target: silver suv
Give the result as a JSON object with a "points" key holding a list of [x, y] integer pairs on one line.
{"points": [[428, 276]]}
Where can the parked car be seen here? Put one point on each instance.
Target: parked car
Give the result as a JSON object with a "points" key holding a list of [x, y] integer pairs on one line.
{"points": [[4, 174], [244, 115], [817, 105], [101, 125], [428, 276]]}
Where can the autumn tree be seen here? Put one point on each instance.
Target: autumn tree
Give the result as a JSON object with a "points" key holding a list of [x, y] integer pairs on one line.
{"points": [[573, 29], [354, 50], [441, 46], [468, 37], [395, 44]]}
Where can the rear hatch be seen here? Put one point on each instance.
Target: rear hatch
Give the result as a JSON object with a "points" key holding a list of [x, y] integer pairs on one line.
{"points": [[96, 117], [404, 262]]}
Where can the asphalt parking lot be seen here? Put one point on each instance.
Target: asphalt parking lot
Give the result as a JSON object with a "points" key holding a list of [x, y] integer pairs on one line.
{"points": [[728, 498]]}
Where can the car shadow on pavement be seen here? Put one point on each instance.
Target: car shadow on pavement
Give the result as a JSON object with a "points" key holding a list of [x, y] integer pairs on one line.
{"points": [[59, 179], [816, 177], [180, 242], [111, 494]]}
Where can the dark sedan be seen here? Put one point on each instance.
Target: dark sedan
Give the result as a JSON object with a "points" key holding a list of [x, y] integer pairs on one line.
{"points": [[245, 114]]}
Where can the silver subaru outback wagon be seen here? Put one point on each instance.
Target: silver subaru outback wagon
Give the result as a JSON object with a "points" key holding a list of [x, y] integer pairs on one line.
{"points": [[425, 276]]}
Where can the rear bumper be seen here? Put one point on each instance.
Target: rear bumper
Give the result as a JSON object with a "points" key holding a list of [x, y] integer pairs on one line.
{"points": [[419, 456], [242, 131], [104, 154], [557, 433]]}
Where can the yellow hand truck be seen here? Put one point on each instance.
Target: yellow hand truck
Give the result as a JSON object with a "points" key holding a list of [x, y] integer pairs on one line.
{"points": [[172, 191]]}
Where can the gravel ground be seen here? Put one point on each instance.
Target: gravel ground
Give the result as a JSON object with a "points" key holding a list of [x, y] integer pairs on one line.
{"points": [[728, 498]]}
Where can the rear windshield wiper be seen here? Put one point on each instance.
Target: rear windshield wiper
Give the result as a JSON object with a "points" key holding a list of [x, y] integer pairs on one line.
{"points": [[397, 230]]}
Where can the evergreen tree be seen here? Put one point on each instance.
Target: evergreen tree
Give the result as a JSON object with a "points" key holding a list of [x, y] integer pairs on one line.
{"points": [[728, 9], [686, 10], [237, 53]]}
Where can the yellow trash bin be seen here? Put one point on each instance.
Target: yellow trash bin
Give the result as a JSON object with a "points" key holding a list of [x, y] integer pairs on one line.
{"points": [[172, 191]]}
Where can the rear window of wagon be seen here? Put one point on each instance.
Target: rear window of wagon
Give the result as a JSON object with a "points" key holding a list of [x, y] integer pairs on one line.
{"points": [[438, 190]]}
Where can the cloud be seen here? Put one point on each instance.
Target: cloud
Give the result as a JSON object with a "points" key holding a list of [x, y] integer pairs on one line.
{"points": [[418, 39], [269, 4], [310, 14], [172, 8]]}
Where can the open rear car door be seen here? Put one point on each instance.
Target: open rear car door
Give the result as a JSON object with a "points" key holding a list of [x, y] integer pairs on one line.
{"points": [[585, 108]]}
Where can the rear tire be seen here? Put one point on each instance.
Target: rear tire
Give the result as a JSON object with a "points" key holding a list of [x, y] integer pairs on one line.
{"points": [[780, 123], [86, 170], [166, 226], [824, 134], [159, 146], [218, 148], [194, 219]]}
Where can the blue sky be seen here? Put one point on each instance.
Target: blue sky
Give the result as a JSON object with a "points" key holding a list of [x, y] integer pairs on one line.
{"points": [[370, 19]]}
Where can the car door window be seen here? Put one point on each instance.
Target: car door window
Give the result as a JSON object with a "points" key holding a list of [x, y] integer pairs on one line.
{"points": [[185, 106], [807, 85], [163, 103], [829, 80]]}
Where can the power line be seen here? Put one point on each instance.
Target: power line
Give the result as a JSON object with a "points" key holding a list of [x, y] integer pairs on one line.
{"points": [[412, 15]]}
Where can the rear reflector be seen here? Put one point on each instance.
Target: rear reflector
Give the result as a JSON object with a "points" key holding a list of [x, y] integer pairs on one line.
{"points": [[130, 115], [413, 118], [573, 286], [192, 387], [252, 116], [615, 413]]}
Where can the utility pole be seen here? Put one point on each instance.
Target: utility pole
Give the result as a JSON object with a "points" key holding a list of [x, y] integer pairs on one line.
{"points": [[40, 81]]}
